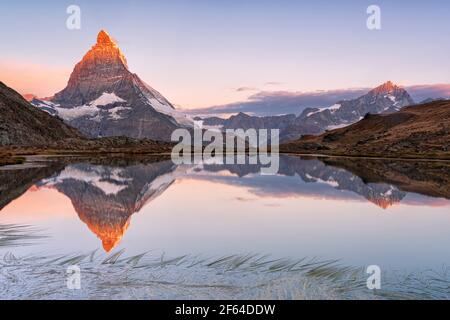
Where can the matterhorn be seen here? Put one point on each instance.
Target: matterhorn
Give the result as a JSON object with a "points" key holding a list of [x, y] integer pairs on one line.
{"points": [[104, 98]]}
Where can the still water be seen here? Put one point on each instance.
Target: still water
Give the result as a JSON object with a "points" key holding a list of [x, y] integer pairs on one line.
{"points": [[394, 214]]}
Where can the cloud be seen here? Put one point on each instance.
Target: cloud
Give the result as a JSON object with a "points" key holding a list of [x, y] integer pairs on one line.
{"points": [[281, 102], [422, 92], [241, 89], [265, 103], [247, 88]]}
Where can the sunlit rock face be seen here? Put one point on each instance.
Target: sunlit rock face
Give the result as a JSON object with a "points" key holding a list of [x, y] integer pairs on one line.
{"points": [[104, 98], [98, 72], [106, 197]]}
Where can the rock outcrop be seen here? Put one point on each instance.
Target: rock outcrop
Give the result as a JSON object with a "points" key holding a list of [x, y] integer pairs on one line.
{"points": [[21, 124]]}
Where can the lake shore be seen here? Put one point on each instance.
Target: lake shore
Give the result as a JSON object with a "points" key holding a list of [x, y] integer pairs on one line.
{"points": [[8, 159], [337, 154], [18, 155]]}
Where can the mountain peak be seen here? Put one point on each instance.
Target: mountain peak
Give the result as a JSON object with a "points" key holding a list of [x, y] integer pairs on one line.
{"points": [[387, 87], [103, 75], [107, 48], [104, 38], [95, 74]]}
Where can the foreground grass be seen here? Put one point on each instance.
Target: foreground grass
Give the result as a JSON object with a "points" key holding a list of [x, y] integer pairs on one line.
{"points": [[231, 277], [13, 235], [146, 276]]}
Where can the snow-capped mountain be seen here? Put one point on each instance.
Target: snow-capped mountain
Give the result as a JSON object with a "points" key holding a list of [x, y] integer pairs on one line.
{"points": [[103, 98], [385, 98]]}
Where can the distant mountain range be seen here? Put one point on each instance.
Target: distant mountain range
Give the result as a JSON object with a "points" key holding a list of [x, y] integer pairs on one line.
{"points": [[263, 103], [103, 98], [415, 131], [386, 98]]}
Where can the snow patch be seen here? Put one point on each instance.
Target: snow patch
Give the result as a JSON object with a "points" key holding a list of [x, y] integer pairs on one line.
{"points": [[389, 192], [96, 176], [160, 104], [331, 182], [113, 112], [314, 112], [334, 107], [77, 112], [44, 103], [181, 118], [106, 99], [218, 128], [337, 126], [92, 109], [391, 97]]}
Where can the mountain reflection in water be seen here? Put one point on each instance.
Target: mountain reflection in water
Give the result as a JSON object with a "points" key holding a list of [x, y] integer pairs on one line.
{"points": [[105, 195]]}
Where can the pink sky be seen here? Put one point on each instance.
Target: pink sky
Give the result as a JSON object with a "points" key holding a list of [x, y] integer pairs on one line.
{"points": [[27, 77]]}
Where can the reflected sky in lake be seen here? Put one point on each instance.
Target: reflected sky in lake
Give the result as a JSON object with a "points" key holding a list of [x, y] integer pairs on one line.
{"points": [[390, 213]]}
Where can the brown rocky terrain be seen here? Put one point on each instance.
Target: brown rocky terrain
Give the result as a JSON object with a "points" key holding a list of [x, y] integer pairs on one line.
{"points": [[23, 124], [419, 131], [25, 130]]}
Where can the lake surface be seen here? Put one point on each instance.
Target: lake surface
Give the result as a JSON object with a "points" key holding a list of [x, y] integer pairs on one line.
{"points": [[393, 214]]}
